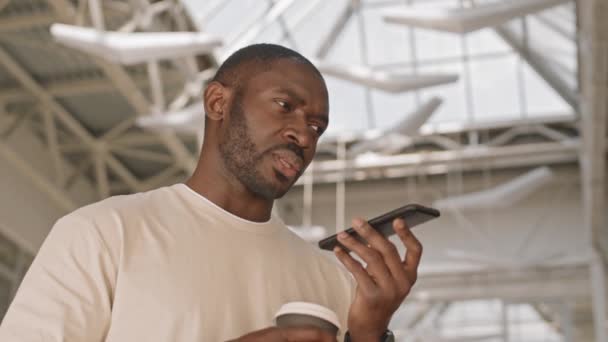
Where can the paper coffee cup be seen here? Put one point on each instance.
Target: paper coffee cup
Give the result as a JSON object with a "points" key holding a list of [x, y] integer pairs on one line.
{"points": [[299, 314]]}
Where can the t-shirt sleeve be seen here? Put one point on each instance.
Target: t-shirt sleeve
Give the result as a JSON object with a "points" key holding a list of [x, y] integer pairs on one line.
{"points": [[66, 295]]}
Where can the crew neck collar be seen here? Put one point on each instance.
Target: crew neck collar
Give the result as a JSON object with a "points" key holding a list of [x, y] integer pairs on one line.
{"points": [[238, 221]]}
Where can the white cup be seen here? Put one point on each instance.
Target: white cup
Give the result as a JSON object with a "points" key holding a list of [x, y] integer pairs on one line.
{"points": [[299, 314]]}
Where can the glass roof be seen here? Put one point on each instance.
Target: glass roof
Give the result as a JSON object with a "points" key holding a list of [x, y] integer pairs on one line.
{"points": [[495, 84]]}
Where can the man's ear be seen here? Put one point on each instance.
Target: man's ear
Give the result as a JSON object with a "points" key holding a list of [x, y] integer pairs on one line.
{"points": [[216, 99]]}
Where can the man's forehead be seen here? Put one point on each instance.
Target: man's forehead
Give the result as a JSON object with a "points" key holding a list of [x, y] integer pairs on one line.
{"points": [[286, 70], [295, 79]]}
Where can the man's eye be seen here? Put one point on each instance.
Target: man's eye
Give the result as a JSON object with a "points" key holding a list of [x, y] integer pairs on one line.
{"points": [[283, 104], [318, 129]]}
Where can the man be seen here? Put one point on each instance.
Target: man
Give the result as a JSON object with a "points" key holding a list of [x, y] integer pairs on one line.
{"points": [[206, 260]]}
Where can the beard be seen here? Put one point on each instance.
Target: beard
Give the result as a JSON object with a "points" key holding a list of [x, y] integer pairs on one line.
{"points": [[243, 160]]}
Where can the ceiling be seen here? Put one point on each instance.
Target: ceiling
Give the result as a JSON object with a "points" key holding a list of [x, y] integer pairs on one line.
{"points": [[93, 104]]}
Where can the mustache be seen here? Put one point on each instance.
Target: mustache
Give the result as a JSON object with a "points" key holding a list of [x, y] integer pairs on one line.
{"points": [[291, 147]]}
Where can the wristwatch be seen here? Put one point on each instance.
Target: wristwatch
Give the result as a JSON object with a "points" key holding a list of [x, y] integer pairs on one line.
{"points": [[386, 337]]}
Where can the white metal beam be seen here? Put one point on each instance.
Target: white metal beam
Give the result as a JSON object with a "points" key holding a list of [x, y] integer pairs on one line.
{"points": [[156, 90], [51, 140], [336, 30], [387, 81], [536, 284], [554, 24], [438, 162], [101, 175], [549, 316], [131, 48], [465, 20], [597, 272], [594, 113], [593, 47], [541, 65], [567, 119], [500, 196], [249, 33]]}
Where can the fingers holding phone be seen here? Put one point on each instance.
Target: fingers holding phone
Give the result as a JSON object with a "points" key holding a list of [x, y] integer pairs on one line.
{"points": [[385, 281], [413, 253], [378, 253]]}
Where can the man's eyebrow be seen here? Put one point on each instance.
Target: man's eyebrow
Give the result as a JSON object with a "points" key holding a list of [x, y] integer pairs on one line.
{"points": [[321, 117], [291, 93]]}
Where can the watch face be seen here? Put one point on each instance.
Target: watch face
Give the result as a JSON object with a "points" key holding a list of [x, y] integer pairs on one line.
{"points": [[388, 336]]}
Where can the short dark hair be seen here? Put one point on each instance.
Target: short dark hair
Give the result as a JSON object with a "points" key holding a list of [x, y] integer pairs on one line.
{"points": [[257, 57]]}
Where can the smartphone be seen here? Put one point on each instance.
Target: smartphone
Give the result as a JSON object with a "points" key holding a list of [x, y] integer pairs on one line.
{"points": [[413, 214]]}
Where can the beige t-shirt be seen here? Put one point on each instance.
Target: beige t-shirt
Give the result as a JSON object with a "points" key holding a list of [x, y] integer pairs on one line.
{"points": [[167, 265]]}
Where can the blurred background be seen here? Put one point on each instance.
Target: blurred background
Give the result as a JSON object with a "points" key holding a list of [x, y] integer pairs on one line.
{"points": [[492, 111]]}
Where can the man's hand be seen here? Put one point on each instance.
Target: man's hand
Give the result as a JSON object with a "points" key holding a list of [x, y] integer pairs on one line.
{"points": [[384, 283], [274, 334]]}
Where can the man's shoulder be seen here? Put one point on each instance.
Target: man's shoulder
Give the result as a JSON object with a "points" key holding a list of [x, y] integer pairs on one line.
{"points": [[120, 205], [109, 218]]}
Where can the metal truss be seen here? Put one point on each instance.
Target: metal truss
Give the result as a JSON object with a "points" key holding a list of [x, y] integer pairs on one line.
{"points": [[446, 149], [497, 145], [540, 64], [65, 135], [594, 113], [82, 87], [465, 148], [64, 116], [548, 283]]}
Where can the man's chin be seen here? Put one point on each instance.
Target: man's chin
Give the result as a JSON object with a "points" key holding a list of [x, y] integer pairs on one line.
{"points": [[281, 193], [281, 186], [285, 182], [270, 193], [272, 185], [270, 190], [281, 189]]}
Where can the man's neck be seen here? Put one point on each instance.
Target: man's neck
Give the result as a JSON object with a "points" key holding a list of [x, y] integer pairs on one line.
{"points": [[231, 196]]}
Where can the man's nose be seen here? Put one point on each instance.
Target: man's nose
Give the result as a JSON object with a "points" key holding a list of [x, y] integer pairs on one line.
{"points": [[298, 133]]}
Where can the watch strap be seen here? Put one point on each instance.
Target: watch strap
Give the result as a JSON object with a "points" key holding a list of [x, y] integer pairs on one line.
{"points": [[386, 337]]}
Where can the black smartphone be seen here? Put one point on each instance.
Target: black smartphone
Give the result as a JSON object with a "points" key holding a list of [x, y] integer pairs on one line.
{"points": [[413, 214]]}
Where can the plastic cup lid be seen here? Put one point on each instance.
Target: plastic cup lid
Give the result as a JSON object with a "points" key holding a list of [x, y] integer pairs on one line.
{"points": [[311, 309]]}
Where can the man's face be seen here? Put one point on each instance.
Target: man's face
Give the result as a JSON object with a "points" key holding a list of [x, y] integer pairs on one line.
{"points": [[272, 130]]}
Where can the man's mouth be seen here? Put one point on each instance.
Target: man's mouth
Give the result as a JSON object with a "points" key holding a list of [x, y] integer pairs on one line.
{"points": [[288, 164]]}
